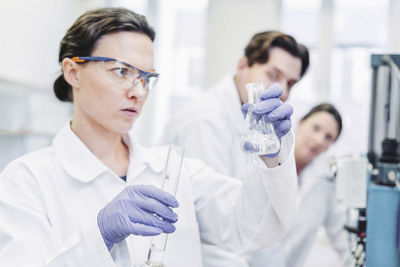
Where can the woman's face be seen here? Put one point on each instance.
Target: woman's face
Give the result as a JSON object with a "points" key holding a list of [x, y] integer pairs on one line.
{"points": [[314, 135], [103, 103]]}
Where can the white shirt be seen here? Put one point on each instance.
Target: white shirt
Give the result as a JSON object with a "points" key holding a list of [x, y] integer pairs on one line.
{"points": [[317, 208], [49, 201], [210, 128]]}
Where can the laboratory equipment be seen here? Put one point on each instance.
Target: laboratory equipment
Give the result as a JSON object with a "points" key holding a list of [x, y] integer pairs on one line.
{"points": [[351, 180], [259, 135], [351, 176], [383, 199], [170, 183], [378, 229]]}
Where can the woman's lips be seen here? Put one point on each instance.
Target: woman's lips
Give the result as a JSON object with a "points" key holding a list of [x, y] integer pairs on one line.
{"points": [[130, 112]]}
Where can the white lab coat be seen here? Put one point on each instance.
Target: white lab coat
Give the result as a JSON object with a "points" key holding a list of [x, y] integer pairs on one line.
{"points": [[49, 202], [210, 128], [317, 207]]}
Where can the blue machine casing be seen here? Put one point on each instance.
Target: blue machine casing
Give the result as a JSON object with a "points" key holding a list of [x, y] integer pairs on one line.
{"points": [[382, 246]]}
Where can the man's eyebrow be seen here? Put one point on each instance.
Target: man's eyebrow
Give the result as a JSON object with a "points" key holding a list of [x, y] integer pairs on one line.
{"points": [[283, 74], [278, 70]]}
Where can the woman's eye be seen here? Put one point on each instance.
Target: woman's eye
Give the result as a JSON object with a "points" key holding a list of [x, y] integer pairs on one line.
{"points": [[121, 71]]}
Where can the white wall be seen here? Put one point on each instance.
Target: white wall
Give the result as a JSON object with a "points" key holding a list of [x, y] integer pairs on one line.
{"points": [[31, 31], [231, 24], [394, 29]]}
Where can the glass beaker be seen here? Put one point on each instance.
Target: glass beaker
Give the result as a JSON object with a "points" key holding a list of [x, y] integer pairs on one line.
{"points": [[259, 135], [170, 183]]}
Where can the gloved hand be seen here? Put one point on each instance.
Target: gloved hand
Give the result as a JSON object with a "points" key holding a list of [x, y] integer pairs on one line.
{"points": [[139, 210], [273, 110]]}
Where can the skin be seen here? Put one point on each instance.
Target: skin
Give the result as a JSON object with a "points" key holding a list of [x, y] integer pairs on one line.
{"points": [[281, 68], [314, 135], [102, 111]]}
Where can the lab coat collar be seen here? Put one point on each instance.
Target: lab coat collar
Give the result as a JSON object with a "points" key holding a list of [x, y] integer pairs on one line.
{"points": [[312, 173], [76, 157], [152, 157], [83, 165]]}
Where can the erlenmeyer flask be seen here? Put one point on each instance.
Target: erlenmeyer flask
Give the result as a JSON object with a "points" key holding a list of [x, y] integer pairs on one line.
{"points": [[259, 135]]}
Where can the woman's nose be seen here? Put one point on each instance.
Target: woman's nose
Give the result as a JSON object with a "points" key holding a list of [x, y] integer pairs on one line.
{"points": [[137, 91], [319, 139]]}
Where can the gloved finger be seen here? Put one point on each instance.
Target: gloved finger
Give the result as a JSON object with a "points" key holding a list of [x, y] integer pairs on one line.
{"points": [[249, 147], [271, 155], [266, 106], [245, 107], [283, 127], [142, 229], [153, 206], [274, 91], [149, 219], [282, 112], [156, 193]]}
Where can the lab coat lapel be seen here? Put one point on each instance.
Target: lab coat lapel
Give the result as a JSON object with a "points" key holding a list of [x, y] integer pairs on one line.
{"points": [[153, 158], [317, 169], [75, 157]]}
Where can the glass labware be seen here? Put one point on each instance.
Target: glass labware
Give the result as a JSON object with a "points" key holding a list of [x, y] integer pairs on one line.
{"points": [[259, 135], [170, 184]]}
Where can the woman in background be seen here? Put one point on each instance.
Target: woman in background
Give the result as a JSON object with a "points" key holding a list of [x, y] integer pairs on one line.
{"points": [[317, 206]]}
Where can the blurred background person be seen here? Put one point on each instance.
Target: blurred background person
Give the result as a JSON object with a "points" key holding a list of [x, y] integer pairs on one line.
{"points": [[214, 135], [210, 133], [317, 204]]}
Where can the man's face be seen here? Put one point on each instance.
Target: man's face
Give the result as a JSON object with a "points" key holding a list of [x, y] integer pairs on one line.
{"points": [[281, 68]]}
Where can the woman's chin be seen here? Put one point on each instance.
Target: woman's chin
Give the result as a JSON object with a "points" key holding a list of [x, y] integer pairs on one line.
{"points": [[308, 157], [124, 127]]}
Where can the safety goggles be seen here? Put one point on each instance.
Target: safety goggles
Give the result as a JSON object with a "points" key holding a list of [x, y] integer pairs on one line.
{"points": [[120, 73]]}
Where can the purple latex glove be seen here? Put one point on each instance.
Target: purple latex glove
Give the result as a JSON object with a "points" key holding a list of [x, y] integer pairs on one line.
{"points": [[273, 110], [139, 210]]}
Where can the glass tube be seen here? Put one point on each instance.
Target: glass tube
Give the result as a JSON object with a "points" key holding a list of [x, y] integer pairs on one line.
{"points": [[170, 184]]}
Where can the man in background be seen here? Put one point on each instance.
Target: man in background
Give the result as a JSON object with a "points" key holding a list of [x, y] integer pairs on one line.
{"points": [[210, 126]]}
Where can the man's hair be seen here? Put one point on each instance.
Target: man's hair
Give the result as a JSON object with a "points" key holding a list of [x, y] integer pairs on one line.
{"points": [[257, 51], [81, 39]]}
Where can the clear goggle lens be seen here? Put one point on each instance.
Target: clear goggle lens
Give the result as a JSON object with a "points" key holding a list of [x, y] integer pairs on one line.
{"points": [[125, 76]]}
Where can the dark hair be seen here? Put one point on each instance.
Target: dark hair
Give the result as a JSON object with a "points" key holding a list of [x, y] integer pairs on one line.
{"points": [[82, 37], [257, 51], [327, 108]]}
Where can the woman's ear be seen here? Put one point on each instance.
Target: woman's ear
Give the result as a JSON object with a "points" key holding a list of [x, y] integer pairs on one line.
{"points": [[70, 72], [242, 64]]}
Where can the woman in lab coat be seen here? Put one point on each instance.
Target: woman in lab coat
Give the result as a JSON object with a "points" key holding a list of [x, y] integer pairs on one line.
{"points": [[317, 205], [91, 198]]}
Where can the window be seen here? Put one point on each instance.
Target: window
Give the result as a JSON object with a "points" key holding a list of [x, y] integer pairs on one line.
{"points": [[341, 36]]}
